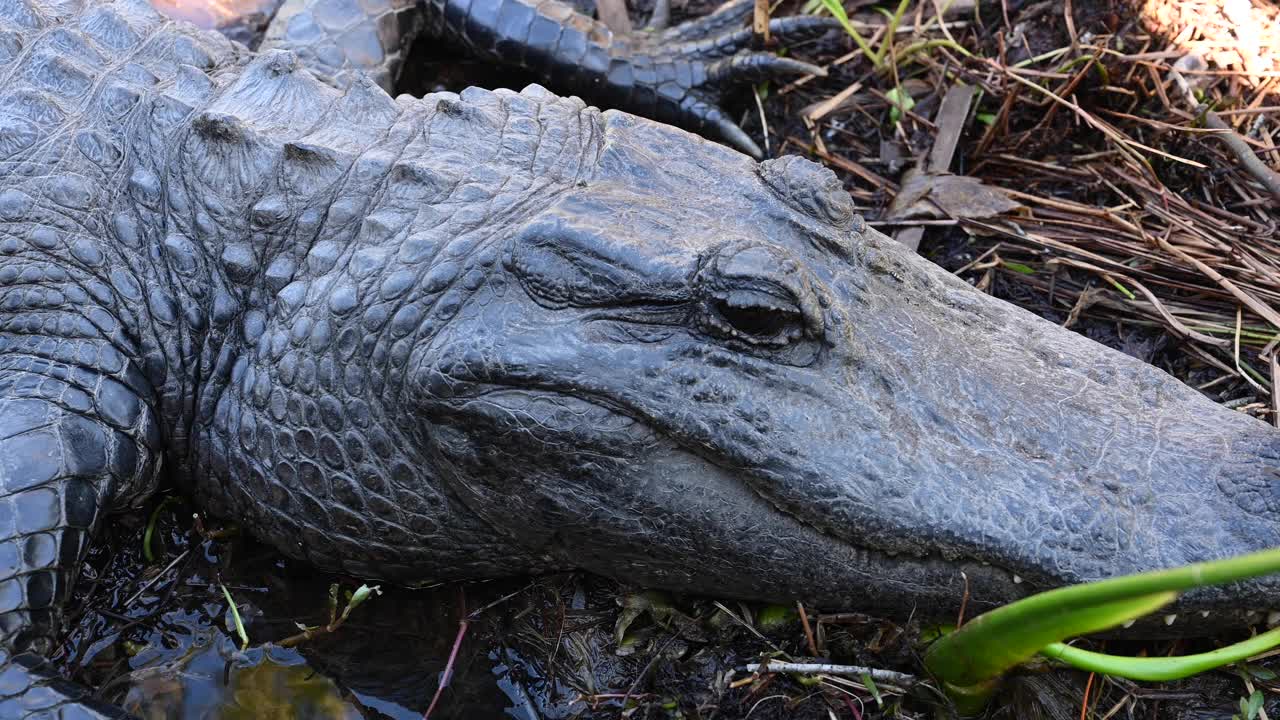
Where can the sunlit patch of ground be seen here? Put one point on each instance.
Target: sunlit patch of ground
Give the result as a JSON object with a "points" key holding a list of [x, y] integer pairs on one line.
{"points": [[1233, 35]]}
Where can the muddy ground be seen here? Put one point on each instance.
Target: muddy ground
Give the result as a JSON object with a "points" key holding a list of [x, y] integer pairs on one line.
{"points": [[155, 633]]}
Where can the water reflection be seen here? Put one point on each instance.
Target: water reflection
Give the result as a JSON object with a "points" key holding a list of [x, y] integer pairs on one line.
{"points": [[264, 683], [385, 662], [163, 644]]}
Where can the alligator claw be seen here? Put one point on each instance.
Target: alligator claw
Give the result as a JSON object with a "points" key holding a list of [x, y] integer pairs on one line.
{"points": [[678, 75], [714, 119], [796, 28], [757, 67], [688, 68]]}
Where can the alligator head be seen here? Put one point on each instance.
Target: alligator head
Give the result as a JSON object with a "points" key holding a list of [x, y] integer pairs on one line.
{"points": [[709, 374], [676, 366]]}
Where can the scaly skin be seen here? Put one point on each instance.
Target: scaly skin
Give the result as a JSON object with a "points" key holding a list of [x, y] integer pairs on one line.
{"points": [[472, 335], [676, 76]]}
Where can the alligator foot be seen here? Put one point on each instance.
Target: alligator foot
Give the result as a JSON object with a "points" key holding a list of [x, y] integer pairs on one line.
{"points": [[678, 75], [681, 74]]}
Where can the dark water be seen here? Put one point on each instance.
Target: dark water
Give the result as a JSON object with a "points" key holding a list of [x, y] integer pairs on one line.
{"points": [[158, 637], [163, 643]]}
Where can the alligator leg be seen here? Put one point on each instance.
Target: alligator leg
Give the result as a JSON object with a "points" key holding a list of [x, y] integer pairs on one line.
{"points": [[678, 76], [335, 38], [72, 442]]}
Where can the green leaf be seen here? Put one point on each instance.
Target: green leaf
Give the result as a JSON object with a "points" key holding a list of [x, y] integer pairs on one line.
{"points": [[1019, 268], [837, 11], [1254, 705], [970, 661], [986, 118], [870, 685], [899, 103], [1260, 673], [773, 617], [362, 593]]}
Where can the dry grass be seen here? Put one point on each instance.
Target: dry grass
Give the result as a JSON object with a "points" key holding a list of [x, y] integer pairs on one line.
{"points": [[1139, 140]]}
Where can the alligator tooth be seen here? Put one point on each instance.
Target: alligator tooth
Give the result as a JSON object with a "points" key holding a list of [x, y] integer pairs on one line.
{"points": [[1017, 580], [1273, 618], [1128, 624], [1204, 613], [1170, 618]]}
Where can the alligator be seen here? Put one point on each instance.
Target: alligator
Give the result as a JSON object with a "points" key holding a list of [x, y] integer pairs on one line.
{"points": [[492, 332]]}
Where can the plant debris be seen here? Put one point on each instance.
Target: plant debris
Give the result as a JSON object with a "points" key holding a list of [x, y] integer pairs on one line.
{"points": [[1117, 172]]}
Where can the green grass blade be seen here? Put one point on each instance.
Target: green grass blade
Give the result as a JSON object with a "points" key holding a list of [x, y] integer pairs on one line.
{"points": [[147, 536], [235, 617], [1162, 669], [837, 11]]}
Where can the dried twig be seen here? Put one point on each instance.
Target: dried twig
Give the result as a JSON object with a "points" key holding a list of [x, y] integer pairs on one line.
{"points": [[889, 677]]}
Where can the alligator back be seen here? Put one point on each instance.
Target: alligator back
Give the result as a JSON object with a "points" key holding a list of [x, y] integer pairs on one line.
{"points": [[211, 220], [92, 99]]}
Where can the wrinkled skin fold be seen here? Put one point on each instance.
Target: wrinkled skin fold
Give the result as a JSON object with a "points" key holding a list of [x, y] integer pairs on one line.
{"points": [[494, 333]]}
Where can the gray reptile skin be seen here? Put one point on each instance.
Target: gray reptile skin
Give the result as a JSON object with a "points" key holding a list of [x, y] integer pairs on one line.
{"points": [[473, 335], [677, 76]]}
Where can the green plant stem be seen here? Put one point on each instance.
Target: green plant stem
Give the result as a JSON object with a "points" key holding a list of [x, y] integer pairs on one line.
{"points": [[993, 643], [1000, 640], [890, 32], [875, 56], [1161, 669], [971, 699], [1116, 284], [924, 45]]}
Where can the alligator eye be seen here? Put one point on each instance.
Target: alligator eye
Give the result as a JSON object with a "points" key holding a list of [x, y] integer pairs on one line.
{"points": [[757, 318], [764, 322]]}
